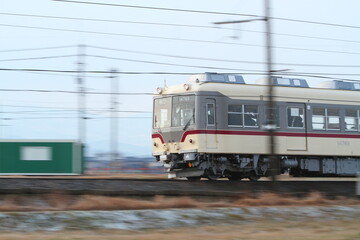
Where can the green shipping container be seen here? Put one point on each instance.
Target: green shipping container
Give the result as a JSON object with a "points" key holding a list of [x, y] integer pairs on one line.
{"points": [[41, 157]]}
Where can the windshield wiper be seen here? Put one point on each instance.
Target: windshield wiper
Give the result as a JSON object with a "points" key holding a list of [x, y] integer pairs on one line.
{"points": [[188, 122]]}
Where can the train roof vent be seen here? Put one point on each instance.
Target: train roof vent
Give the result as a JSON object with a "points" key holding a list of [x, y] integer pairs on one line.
{"points": [[340, 85], [217, 77], [287, 82]]}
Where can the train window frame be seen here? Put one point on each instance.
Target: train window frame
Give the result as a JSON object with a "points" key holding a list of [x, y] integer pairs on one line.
{"points": [[179, 111], [213, 113], [236, 113], [253, 113], [243, 115], [276, 116], [288, 125], [318, 116], [160, 120], [328, 117], [356, 124]]}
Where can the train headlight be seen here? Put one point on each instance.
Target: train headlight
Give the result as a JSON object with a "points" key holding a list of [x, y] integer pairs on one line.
{"points": [[159, 90], [155, 145], [191, 141], [186, 86]]}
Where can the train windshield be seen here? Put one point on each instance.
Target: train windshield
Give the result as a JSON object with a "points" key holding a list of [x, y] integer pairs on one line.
{"points": [[174, 111], [162, 112], [183, 112]]}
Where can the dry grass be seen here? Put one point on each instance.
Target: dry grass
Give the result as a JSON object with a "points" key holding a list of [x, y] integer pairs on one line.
{"points": [[330, 230], [60, 202]]}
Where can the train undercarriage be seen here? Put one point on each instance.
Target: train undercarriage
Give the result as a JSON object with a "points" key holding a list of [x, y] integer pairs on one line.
{"points": [[195, 166]]}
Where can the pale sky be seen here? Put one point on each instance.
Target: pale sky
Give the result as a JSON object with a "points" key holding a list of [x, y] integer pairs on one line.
{"points": [[37, 115]]}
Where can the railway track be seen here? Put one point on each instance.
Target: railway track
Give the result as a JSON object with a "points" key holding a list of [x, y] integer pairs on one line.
{"points": [[152, 187]]}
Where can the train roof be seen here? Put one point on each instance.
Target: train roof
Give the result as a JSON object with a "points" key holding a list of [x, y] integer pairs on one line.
{"points": [[327, 94]]}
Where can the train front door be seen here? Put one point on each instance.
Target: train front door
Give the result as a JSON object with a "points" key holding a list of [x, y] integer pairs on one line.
{"points": [[211, 135], [296, 140]]}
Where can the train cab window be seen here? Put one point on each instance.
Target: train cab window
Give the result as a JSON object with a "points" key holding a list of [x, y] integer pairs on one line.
{"points": [[295, 116], [210, 112], [251, 113], [318, 118], [183, 110], [351, 120], [333, 119], [235, 115], [162, 112]]}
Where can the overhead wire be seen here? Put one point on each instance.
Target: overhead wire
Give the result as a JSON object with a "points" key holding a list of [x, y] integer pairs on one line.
{"points": [[173, 25], [209, 12], [179, 39], [37, 49], [175, 73], [170, 64], [88, 118], [36, 58], [210, 95], [182, 57], [220, 60]]}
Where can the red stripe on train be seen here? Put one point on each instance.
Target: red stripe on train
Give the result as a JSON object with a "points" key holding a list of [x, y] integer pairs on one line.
{"points": [[156, 135], [262, 133]]}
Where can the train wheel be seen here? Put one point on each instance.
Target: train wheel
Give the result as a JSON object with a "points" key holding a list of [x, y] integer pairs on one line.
{"points": [[193, 179], [211, 176], [254, 178]]}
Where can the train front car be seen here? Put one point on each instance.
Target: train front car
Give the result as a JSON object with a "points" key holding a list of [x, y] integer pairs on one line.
{"points": [[193, 140], [215, 126]]}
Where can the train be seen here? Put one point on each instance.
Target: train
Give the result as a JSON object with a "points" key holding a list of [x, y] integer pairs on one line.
{"points": [[216, 126]]}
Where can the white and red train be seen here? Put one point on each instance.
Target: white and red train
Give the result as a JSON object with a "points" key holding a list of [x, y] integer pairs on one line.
{"points": [[214, 126]]}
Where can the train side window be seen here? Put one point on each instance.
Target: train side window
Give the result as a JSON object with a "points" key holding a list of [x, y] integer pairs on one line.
{"points": [[318, 118], [235, 115], [251, 113], [295, 116], [210, 112], [276, 116], [333, 119], [351, 120]]}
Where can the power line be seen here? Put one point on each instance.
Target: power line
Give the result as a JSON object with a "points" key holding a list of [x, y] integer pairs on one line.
{"points": [[170, 64], [70, 111], [211, 12], [111, 21], [184, 73], [36, 58], [37, 49], [179, 39], [172, 25], [233, 95], [222, 60], [88, 118], [177, 56], [159, 8], [72, 92]]}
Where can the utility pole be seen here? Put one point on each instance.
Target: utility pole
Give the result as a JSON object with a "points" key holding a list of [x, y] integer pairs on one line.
{"points": [[114, 109], [81, 94], [270, 125], [274, 164]]}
